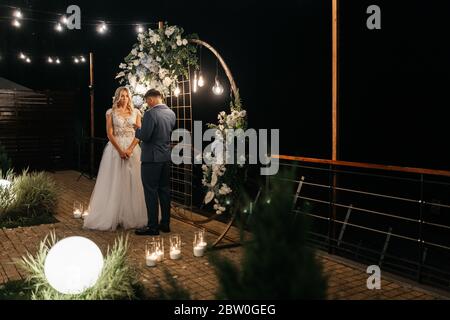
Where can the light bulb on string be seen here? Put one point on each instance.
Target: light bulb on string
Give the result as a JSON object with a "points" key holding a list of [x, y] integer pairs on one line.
{"points": [[59, 27], [139, 29], [18, 14], [50, 60], [63, 20], [102, 28], [28, 60], [194, 84], [217, 89], [201, 80], [76, 60], [22, 56], [58, 61], [16, 23], [82, 59], [177, 90]]}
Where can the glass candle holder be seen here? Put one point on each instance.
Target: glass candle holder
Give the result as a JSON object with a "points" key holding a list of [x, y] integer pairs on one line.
{"points": [[151, 256], [77, 209], [175, 247], [159, 243], [85, 210], [199, 244]]}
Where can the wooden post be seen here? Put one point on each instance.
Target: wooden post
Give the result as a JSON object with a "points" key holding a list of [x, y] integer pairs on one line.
{"points": [[335, 79], [335, 111], [91, 88]]}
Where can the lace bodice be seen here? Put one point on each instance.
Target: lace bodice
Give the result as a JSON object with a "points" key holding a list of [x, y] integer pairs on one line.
{"points": [[123, 126]]}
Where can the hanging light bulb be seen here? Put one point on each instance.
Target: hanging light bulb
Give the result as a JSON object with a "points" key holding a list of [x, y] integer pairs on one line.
{"points": [[217, 89], [139, 29], [28, 60], [82, 59], [177, 91], [63, 20], [50, 60], [22, 56], [194, 84], [102, 28], [201, 81], [76, 60], [58, 61], [58, 27], [16, 23], [18, 14]]}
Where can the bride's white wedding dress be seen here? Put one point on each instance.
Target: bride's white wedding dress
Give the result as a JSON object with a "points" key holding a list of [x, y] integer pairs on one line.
{"points": [[118, 195]]}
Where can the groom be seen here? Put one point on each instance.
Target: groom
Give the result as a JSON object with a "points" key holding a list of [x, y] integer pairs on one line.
{"points": [[155, 134]]}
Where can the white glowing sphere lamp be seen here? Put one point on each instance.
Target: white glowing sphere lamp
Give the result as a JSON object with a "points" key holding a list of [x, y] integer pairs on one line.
{"points": [[73, 265]]}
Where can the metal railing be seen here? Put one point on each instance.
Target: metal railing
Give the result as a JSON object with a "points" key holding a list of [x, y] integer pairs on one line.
{"points": [[395, 217]]}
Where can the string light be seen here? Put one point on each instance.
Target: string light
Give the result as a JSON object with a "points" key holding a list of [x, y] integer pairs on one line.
{"points": [[28, 60], [217, 89], [177, 90], [18, 14], [82, 59], [201, 81], [59, 27], [58, 61], [50, 60], [76, 60], [102, 28], [139, 29], [194, 87], [16, 23], [64, 20], [22, 56]]}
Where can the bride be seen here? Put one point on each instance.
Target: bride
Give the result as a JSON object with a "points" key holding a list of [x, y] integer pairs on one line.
{"points": [[118, 195]]}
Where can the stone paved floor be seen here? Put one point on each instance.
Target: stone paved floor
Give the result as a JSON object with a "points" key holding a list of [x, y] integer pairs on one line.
{"points": [[347, 280]]}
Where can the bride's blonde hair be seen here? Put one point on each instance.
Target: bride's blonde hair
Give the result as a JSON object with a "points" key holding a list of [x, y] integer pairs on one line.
{"points": [[129, 106]]}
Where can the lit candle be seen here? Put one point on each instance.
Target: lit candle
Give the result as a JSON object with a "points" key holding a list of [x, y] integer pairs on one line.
{"points": [[159, 255], [199, 251], [175, 254], [151, 259], [77, 214]]}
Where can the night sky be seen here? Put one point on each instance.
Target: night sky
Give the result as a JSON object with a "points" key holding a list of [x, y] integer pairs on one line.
{"points": [[393, 82]]}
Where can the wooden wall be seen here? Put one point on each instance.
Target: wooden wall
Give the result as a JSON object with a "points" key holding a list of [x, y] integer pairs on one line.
{"points": [[37, 128]]}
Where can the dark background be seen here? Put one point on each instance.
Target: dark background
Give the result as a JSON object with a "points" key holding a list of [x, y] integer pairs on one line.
{"points": [[393, 81]]}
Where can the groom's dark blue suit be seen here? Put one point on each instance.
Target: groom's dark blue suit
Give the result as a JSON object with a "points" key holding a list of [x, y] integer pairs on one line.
{"points": [[155, 133]]}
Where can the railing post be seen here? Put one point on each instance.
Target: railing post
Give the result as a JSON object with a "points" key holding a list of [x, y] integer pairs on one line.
{"points": [[421, 242], [332, 209]]}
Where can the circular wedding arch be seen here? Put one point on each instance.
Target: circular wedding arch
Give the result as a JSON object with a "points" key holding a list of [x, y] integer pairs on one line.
{"points": [[180, 210]]}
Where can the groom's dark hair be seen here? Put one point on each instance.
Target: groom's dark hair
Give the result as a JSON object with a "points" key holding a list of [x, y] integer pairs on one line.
{"points": [[153, 93]]}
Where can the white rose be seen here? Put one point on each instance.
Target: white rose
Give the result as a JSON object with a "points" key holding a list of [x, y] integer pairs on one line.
{"points": [[185, 42], [122, 66], [134, 52], [141, 55], [179, 42], [136, 62], [120, 74], [167, 81], [158, 58]]}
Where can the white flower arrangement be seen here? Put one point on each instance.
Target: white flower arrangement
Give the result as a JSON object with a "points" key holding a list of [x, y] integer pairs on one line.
{"points": [[215, 171], [156, 61]]}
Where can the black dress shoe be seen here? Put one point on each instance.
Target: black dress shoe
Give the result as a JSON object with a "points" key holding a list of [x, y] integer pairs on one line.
{"points": [[146, 232], [164, 228]]}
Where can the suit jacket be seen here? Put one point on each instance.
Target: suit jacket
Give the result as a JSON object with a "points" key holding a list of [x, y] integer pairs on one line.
{"points": [[155, 133]]}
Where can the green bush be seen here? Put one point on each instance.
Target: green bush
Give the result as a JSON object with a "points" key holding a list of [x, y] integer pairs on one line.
{"points": [[31, 195], [277, 262]]}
